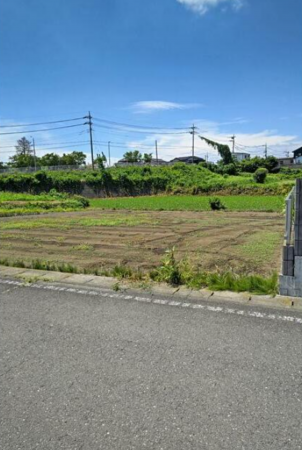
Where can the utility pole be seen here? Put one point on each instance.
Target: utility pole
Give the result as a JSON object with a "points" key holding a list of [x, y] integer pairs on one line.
{"points": [[89, 123], [109, 156], [193, 128], [34, 149], [265, 151], [156, 153], [233, 143]]}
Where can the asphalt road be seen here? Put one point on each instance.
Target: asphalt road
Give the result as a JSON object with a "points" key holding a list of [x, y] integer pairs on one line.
{"points": [[89, 372]]}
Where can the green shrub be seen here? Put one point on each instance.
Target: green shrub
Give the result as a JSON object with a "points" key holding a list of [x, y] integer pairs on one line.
{"points": [[260, 175], [216, 204]]}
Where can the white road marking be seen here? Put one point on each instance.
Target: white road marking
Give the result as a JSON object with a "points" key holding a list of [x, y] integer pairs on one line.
{"points": [[160, 302], [106, 294]]}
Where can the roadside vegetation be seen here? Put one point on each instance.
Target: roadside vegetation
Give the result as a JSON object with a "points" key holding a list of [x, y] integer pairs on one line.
{"points": [[173, 272], [201, 179]]}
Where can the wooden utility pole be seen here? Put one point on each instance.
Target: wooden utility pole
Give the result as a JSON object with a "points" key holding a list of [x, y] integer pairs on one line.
{"points": [[156, 153], [193, 128], [233, 143], [34, 150], [89, 123], [265, 151], [109, 154]]}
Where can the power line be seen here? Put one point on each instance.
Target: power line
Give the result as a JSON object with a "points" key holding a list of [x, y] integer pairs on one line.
{"points": [[51, 144], [39, 123], [137, 144], [250, 146], [137, 126], [139, 131], [144, 147], [43, 129], [46, 149]]}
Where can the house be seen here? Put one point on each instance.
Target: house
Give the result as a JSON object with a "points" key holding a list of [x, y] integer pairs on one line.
{"points": [[292, 162], [187, 160], [154, 162], [241, 156], [298, 156], [286, 162]]}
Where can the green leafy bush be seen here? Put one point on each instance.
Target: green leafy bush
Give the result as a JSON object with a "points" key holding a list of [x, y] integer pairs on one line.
{"points": [[260, 175], [216, 204]]}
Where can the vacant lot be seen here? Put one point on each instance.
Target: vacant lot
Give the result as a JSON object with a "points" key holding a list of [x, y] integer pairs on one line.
{"points": [[243, 241]]}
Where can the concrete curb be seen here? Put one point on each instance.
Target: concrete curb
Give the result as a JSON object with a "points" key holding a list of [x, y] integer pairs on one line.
{"points": [[32, 275]]}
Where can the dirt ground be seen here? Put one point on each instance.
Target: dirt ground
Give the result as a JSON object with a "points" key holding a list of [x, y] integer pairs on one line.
{"points": [[242, 241]]}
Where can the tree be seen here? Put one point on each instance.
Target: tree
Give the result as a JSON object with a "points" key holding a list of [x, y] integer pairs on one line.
{"points": [[147, 158], [2, 165], [50, 159], [23, 147], [133, 157], [223, 150], [73, 159], [251, 165], [271, 163], [100, 160], [21, 160]]}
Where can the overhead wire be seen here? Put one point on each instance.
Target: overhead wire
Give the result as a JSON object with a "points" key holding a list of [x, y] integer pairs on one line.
{"points": [[43, 129], [144, 127], [40, 123], [39, 149], [51, 144], [139, 131]]}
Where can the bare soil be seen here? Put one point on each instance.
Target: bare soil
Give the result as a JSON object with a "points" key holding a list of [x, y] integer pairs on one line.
{"points": [[240, 241]]}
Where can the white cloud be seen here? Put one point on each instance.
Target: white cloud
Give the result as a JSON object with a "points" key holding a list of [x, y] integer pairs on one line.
{"points": [[149, 106], [202, 6]]}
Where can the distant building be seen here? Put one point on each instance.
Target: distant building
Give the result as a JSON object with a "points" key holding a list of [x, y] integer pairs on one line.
{"points": [[292, 162], [298, 156], [241, 156], [286, 162], [187, 160], [154, 162]]}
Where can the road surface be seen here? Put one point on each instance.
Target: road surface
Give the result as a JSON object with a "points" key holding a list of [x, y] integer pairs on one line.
{"points": [[88, 371]]}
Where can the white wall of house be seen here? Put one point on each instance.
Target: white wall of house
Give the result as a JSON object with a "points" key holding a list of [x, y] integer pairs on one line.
{"points": [[241, 156]]}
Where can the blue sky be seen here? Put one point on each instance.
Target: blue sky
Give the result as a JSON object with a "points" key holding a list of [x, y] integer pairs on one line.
{"points": [[229, 66]]}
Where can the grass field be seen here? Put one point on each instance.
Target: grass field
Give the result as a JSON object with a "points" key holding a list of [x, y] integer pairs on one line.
{"points": [[191, 203]]}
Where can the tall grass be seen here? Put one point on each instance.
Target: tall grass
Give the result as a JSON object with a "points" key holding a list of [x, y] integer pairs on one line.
{"points": [[171, 271]]}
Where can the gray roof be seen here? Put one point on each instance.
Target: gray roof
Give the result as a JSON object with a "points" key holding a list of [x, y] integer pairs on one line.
{"points": [[186, 158]]}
